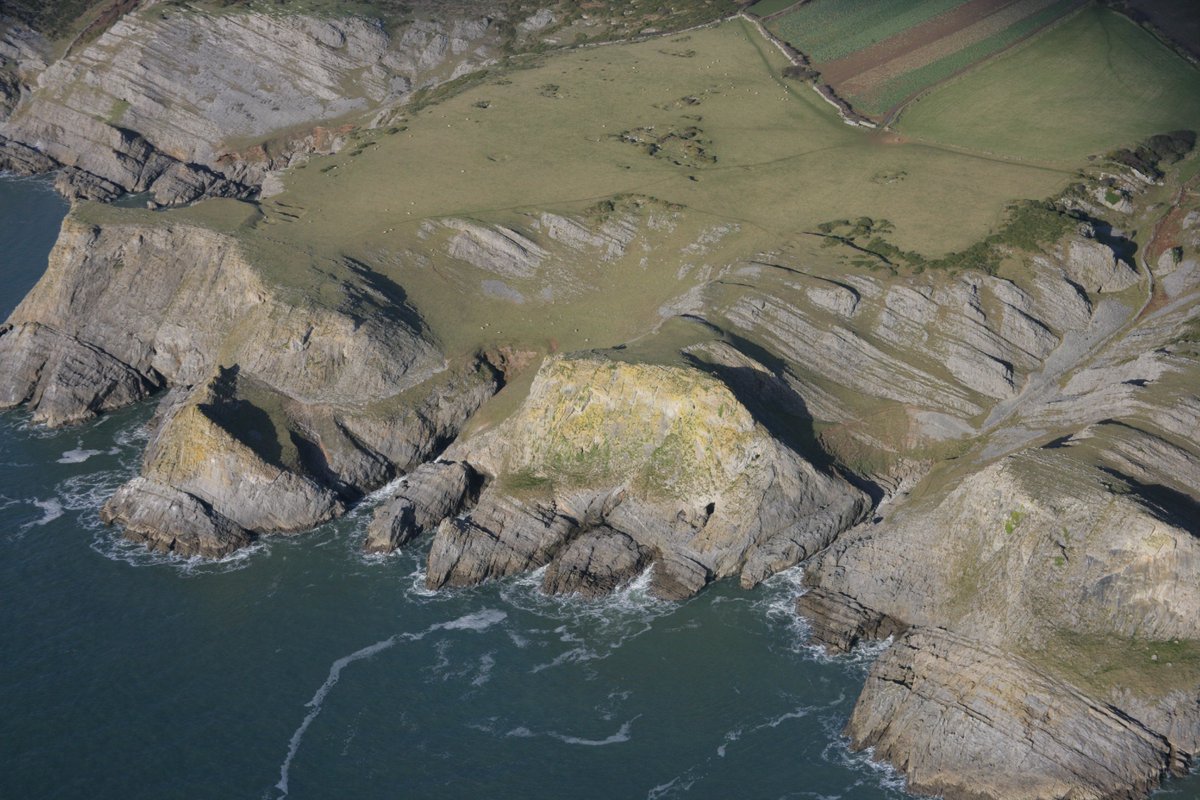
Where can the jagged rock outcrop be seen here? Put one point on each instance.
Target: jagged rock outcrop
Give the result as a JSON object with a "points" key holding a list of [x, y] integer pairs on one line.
{"points": [[1050, 649], [638, 462], [596, 564], [170, 521], [429, 494], [968, 720], [284, 407], [1055, 571], [913, 367], [266, 462], [184, 103], [124, 309]]}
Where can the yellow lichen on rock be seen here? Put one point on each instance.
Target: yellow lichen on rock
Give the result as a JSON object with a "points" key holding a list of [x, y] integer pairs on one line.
{"points": [[669, 431]]}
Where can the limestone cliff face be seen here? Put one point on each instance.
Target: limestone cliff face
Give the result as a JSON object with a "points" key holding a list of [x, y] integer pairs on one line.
{"points": [[1053, 574], [283, 406], [1050, 650], [609, 466], [913, 364], [969, 720], [125, 309], [179, 102]]}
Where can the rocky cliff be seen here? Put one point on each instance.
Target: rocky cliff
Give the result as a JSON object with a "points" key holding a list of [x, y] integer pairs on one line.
{"points": [[283, 406], [1051, 649], [993, 466], [609, 467], [182, 102]]}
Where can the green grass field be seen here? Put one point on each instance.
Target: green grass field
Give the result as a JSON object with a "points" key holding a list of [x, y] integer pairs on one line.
{"points": [[764, 7], [894, 92], [548, 137], [1091, 84], [828, 29]]}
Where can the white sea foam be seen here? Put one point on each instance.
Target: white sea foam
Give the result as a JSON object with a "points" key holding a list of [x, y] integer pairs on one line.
{"points": [[774, 722], [837, 751], [52, 509], [116, 548], [78, 456], [477, 621], [520, 733], [622, 735], [484, 674], [595, 628], [677, 785], [376, 497], [335, 674]]}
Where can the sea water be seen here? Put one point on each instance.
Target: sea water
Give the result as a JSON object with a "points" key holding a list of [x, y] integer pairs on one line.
{"points": [[300, 668]]}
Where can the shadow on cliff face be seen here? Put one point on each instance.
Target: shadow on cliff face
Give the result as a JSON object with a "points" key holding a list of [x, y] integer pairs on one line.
{"points": [[778, 407], [242, 419], [1169, 505], [396, 306], [1125, 249]]}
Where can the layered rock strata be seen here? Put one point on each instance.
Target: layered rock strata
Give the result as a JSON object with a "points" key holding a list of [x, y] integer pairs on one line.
{"points": [[283, 407], [609, 467], [184, 103]]}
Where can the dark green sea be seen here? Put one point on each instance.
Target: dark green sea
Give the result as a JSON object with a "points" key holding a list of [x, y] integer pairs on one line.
{"points": [[302, 669]]}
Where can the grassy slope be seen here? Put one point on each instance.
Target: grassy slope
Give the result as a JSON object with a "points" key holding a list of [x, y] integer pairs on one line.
{"points": [[784, 164], [1081, 88]]}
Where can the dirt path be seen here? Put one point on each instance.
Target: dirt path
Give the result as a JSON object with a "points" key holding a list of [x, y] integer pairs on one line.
{"points": [[783, 11]]}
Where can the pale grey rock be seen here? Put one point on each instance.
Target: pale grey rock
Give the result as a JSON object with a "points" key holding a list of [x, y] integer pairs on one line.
{"points": [[743, 504], [1096, 268], [840, 300], [315, 404], [839, 623], [167, 520], [177, 101], [496, 249], [429, 494], [541, 19], [502, 536], [613, 237], [971, 721], [64, 379], [138, 307], [843, 356]]}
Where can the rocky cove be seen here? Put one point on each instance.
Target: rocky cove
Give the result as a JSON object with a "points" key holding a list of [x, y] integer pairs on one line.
{"points": [[994, 472]]}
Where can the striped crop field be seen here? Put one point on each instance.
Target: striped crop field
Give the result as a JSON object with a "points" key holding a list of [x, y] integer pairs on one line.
{"points": [[877, 56]]}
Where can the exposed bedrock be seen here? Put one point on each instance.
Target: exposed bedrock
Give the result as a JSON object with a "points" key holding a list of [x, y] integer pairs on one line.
{"points": [[972, 721], [123, 309], [284, 406], [610, 466], [183, 103], [1052, 646], [1042, 588], [913, 364], [426, 496]]}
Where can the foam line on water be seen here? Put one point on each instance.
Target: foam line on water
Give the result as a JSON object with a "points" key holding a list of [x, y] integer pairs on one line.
{"points": [[51, 509], [622, 735], [78, 455], [477, 621]]}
